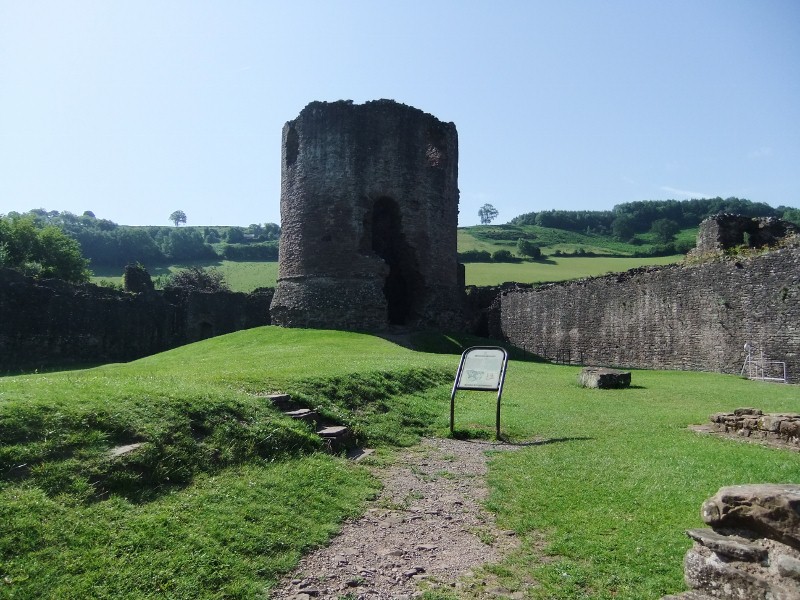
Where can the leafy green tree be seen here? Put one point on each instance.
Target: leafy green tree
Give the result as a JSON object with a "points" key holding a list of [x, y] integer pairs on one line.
{"points": [[503, 256], [528, 248], [197, 279], [272, 231], [186, 244], [41, 251], [235, 235], [178, 217], [664, 230], [487, 214], [623, 228]]}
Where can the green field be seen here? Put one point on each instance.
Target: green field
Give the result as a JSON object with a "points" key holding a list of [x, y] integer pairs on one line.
{"points": [[611, 257], [559, 268], [504, 237], [240, 276], [203, 509]]}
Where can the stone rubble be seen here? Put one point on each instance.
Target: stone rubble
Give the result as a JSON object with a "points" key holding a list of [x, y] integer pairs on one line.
{"points": [[752, 551]]}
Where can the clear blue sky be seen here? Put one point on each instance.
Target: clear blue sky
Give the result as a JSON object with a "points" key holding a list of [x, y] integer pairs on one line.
{"points": [[135, 108]]}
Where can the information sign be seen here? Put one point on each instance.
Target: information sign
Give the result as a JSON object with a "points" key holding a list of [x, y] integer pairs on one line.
{"points": [[482, 368]]}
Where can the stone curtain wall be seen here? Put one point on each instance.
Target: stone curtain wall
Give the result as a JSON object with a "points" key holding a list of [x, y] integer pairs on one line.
{"points": [[50, 322], [369, 216], [687, 318]]}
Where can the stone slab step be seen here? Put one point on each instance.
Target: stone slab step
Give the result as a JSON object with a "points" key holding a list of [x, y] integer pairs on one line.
{"points": [[281, 401], [302, 414], [336, 437], [333, 431]]}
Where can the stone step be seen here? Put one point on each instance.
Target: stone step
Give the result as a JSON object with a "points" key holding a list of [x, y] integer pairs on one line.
{"points": [[303, 414], [281, 401], [336, 437]]}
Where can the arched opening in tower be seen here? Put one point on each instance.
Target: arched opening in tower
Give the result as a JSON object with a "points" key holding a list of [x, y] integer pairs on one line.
{"points": [[389, 243]]}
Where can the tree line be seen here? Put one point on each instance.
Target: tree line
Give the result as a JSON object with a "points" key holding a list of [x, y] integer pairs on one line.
{"points": [[107, 244], [659, 216]]}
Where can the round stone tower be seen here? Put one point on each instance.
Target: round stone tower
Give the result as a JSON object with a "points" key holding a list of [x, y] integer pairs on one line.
{"points": [[369, 213]]}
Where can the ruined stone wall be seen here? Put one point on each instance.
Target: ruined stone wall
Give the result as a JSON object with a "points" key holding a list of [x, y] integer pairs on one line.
{"points": [[369, 213], [690, 318], [50, 322], [724, 231]]}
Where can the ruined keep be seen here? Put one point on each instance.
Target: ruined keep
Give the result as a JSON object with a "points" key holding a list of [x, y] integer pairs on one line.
{"points": [[369, 213]]}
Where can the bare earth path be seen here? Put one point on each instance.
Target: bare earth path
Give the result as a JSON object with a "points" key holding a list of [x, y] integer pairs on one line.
{"points": [[427, 527]]}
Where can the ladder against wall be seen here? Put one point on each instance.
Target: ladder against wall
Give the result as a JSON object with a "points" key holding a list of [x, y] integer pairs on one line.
{"points": [[759, 367]]}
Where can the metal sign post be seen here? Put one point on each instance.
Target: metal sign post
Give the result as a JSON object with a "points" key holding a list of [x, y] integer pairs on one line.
{"points": [[482, 368]]}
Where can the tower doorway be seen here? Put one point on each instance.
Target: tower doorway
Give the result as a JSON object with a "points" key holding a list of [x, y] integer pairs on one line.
{"points": [[389, 243]]}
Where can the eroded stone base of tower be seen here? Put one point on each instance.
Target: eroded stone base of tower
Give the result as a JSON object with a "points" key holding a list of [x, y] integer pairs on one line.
{"points": [[320, 302]]}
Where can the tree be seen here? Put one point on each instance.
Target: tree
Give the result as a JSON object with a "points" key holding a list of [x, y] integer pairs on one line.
{"points": [[41, 251], [664, 230], [198, 279], [528, 248], [503, 256], [487, 214], [178, 217], [235, 235], [623, 228]]}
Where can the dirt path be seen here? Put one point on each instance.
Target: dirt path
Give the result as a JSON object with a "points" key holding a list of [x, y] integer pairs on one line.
{"points": [[427, 527]]}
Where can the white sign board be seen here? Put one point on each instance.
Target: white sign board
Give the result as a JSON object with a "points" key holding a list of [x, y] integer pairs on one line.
{"points": [[482, 368]]}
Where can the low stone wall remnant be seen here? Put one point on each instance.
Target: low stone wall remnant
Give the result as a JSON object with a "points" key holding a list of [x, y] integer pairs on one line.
{"points": [[752, 423]]}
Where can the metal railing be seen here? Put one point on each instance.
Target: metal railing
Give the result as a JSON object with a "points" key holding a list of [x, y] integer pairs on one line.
{"points": [[756, 366]]}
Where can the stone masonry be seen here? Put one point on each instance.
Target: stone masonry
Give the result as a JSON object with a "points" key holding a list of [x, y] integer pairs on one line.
{"points": [[369, 212], [46, 323], [752, 549], [677, 317], [754, 424], [725, 231]]}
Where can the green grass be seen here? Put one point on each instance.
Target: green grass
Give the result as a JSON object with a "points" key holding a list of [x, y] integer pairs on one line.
{"points": [[226, 493], [504, 237], [556, 268], [240, 276]]}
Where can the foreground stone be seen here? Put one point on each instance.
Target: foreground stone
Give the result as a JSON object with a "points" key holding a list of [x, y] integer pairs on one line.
{"points": [[598, 377], [752, 551]]}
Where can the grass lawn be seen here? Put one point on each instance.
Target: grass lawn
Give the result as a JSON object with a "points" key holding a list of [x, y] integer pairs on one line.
{"points": [[556, 268], [225, 493], [240, 276]]}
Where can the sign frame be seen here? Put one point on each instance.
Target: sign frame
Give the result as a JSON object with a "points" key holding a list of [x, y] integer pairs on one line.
{"points": [[480, 380]]}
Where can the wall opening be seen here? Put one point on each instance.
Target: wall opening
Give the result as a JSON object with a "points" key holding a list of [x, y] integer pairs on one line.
{"points": [[389, 243]]}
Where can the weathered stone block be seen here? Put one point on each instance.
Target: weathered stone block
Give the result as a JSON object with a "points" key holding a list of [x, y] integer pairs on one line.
{"points": [[597, 377], [772, 510]]}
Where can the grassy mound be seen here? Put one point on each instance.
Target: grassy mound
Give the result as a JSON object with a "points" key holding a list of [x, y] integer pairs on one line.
{"points": [[225, 493]]}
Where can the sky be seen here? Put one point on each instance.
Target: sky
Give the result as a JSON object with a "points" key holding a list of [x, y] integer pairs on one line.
{"points": [[135, 108]]}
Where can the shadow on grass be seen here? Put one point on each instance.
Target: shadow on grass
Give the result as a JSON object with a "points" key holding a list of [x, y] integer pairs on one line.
{"points": [[51, 368], [486, 435], [436, 342]]}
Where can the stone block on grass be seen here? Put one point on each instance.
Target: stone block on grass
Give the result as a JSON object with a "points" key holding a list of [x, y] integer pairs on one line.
{"points": [[602, 378]]}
